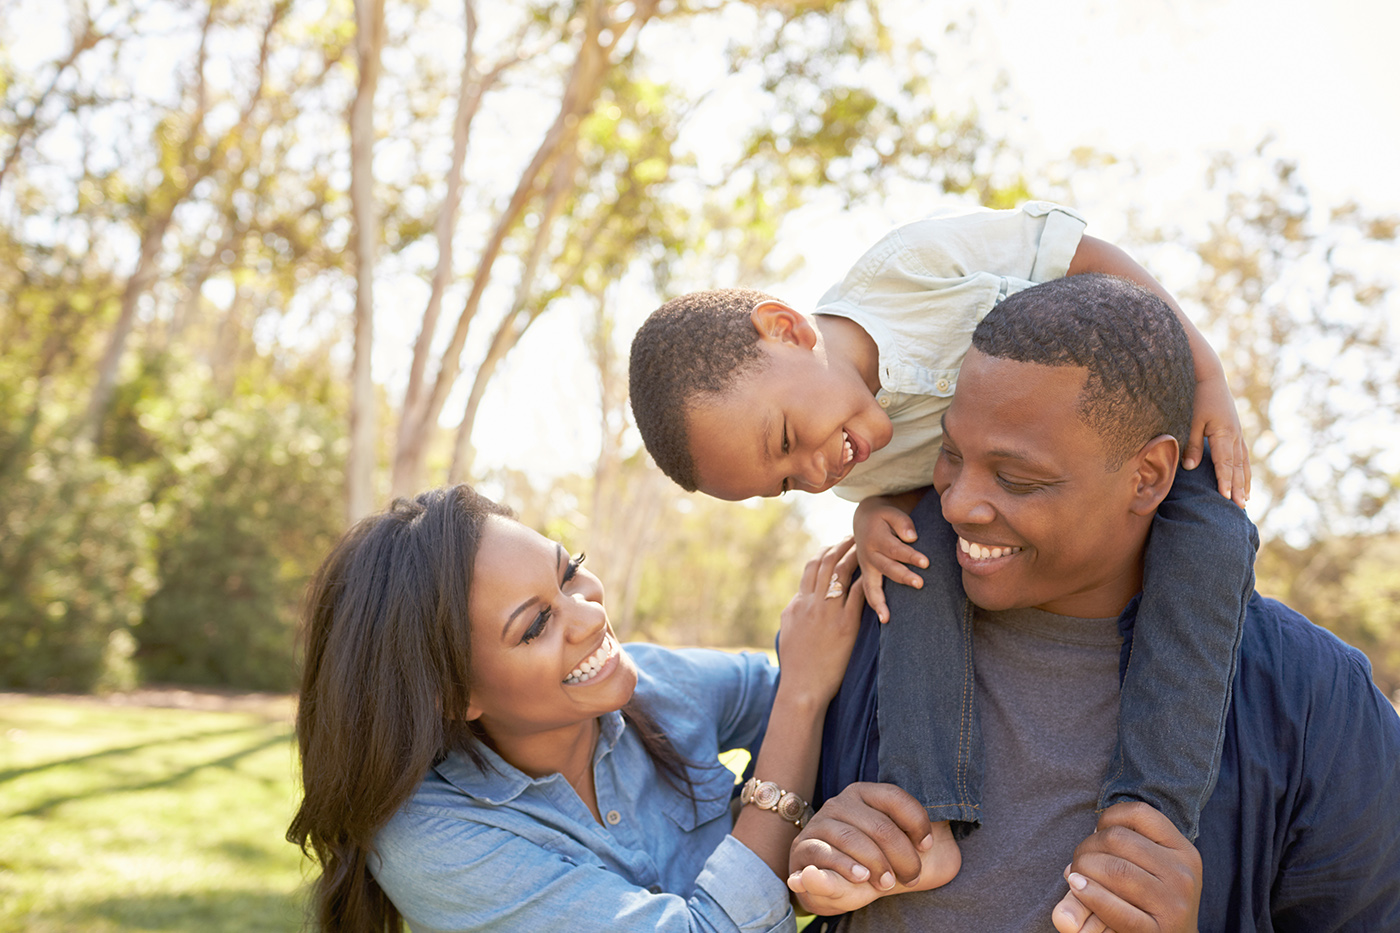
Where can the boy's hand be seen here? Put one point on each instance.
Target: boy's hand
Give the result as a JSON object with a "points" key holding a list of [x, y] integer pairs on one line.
{"points": [[883, 532], [1215, 418], [1135, 873]]}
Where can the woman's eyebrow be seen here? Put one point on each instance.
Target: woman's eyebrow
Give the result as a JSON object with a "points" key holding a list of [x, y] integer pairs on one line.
{"points": [[559, 557]]}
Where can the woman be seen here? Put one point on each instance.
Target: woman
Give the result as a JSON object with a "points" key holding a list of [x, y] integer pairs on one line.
{"points": [[479, 753]]}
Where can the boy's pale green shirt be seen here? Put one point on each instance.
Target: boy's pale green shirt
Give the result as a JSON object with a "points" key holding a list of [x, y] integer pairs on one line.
{"points": [[919, 293]]}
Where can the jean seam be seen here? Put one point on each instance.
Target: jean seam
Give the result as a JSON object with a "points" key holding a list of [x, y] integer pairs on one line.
{"points": [[965, 719]]}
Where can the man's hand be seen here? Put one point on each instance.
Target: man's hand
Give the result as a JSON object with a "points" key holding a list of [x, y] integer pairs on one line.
{"points": [[1135, 874], [1214, 417], [883, 532], [868, 841]]}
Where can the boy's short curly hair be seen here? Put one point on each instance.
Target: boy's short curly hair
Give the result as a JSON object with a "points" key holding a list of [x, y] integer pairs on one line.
{"points": [[1141, 380], [694, 345]]}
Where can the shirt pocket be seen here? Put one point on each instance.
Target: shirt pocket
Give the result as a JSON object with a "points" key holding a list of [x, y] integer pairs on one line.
{"points": [[713, 788]]}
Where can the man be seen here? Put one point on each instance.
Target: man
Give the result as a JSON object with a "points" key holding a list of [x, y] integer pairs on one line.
{"points": [[1061, 440]]}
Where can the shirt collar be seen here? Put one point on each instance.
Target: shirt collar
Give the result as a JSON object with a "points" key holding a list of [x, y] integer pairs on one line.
{"points": [[501, 782]]}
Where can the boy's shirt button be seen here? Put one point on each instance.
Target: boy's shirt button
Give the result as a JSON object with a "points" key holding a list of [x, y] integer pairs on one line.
{"points": [[614, 817], [942, 385], [884, 401]]}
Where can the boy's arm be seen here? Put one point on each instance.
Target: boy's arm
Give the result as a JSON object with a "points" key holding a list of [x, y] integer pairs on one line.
{"points": [[1214, 416]]}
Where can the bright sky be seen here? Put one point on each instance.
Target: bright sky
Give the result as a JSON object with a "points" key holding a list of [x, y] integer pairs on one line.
{"points": [[1162, 81]]}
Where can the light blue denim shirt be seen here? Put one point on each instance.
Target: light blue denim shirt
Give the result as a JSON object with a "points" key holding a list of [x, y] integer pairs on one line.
{"points": [[499, 850], [920, 293]]}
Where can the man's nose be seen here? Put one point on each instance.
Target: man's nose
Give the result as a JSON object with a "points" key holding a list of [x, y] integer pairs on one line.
{"points": [[964, 502]]}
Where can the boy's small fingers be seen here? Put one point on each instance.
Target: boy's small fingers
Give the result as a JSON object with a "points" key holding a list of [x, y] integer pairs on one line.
{"points": [[872, 585], [1243, 455], [1191, 457]]}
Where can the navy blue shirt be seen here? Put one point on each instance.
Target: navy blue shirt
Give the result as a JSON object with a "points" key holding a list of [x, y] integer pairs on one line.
{"points": [[1302, 832]]}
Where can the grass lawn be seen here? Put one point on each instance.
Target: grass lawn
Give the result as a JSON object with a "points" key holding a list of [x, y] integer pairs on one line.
{"points": [[145, 819], [138, 818]]}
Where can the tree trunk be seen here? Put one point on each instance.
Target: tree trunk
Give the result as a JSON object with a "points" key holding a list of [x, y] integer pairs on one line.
{"points": [[580, 94], [136, 286], [359, 472]]}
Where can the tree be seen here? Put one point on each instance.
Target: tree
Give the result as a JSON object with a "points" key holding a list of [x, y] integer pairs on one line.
{"points": [[1302, 306], [369, 47], [608, 188]]}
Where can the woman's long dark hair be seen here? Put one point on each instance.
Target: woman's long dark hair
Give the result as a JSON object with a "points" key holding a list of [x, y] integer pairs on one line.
{"points": [[385, 686]]}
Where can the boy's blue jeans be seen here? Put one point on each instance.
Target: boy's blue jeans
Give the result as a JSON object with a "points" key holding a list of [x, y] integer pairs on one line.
{"points": [[1176, 681]]}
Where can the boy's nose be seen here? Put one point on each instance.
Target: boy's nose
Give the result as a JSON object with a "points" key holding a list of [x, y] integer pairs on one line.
{"points": [[814, 477]]}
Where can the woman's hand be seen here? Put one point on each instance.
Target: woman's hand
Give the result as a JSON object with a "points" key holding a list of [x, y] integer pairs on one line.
{"points": [[819, 625]]}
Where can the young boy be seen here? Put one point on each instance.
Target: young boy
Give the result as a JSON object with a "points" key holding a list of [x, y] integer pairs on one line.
{"points": [[736, 395]]}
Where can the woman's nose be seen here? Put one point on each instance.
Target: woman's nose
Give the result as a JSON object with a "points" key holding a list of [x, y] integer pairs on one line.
{"points": [[586, 619]]}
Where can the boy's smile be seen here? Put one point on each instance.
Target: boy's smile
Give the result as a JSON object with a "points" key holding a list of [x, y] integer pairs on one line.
{"points": [[794, 423]]}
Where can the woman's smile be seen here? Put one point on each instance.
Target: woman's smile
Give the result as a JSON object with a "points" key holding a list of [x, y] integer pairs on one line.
{"points": [[597, 665]]}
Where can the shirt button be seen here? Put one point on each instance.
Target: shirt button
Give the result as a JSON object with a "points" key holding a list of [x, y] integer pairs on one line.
{"points": [[654, 888], [884, 401], [942, 385], [614, 817]]}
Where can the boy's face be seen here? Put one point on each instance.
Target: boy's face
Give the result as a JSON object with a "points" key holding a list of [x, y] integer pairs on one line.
{"points": [[1023, 483], [794, 422]]}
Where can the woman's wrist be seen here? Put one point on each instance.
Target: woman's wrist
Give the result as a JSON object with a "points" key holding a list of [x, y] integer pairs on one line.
{"points": [[801, 703]]}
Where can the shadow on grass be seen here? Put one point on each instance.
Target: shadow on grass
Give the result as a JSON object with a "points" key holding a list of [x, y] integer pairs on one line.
{"points": [[227, 762], [13, 773], [206, 911]]}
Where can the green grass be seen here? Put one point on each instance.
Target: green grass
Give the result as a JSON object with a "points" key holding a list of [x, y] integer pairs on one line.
{"points": [[136, 819], [123, 818]]}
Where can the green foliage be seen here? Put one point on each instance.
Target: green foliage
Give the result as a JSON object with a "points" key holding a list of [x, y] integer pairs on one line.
{"points": [[254, 504], [723, 574], [75, 567]]}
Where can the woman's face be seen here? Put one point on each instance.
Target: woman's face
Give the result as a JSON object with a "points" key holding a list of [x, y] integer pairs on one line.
{"points": [[543, 653]]}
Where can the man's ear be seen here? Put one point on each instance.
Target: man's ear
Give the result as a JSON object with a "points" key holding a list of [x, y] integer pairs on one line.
{"points": [[776, 321], [1155, 471]]}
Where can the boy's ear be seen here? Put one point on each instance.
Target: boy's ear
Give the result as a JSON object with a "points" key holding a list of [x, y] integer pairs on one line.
{"points": [[1154, 472], [776, 321]]}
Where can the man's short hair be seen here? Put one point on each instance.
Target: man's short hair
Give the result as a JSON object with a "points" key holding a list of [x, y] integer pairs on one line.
{"points": [[1141, 381], [694, 345]]}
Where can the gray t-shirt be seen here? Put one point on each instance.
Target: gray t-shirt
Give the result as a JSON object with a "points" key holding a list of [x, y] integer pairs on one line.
{"points": [[1047, 695]]}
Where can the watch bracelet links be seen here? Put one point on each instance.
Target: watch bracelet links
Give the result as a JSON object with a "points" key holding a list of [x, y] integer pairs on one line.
{"points": [[769, 796]]}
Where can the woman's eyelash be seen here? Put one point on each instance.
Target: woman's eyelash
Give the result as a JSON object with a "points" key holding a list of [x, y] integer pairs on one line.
{"points": [[536, 628]]}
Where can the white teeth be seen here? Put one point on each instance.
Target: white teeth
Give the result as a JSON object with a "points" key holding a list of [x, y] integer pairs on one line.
{"points": [[848, 451], [593, 663], [982, 552]]}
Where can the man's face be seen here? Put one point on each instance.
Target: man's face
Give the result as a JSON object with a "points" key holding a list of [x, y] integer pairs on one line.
{"points": [[793, 422], [1040, 521]]}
